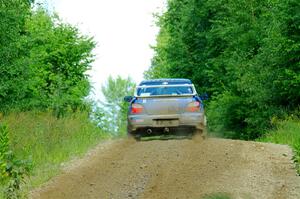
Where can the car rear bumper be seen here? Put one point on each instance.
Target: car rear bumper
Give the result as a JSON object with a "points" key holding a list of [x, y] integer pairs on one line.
{"points": [[195, 120]]}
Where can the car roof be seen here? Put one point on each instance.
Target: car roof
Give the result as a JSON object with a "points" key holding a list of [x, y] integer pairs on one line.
{"points": [[165, 81]]}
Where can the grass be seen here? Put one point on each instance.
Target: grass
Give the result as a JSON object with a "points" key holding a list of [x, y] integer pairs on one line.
{"points": [[48, 142], [287, 132], [217, 196]]}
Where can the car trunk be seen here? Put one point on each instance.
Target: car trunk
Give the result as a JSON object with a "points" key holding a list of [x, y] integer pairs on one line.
{"points": [[166, 105]]}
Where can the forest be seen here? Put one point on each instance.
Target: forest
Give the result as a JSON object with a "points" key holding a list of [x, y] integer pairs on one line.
{"points": [[244, 54]]}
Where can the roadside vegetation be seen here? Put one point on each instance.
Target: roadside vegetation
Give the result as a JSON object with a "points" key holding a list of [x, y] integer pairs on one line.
{"points": [[286, 132], [245, 55], [45, 118], [43, 142]]}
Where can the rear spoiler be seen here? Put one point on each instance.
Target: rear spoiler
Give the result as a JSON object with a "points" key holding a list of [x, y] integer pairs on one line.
{"points": [[166, 86]]}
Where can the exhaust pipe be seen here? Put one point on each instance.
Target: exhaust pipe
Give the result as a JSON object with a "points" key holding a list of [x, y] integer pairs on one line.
{"points": [[149, 131], [166, 130]]}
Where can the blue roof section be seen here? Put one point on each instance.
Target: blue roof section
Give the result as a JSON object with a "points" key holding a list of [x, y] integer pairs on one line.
{"points": [[163, 81]]}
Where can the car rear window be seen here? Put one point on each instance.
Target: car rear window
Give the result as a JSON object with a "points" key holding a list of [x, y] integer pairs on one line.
{"points": [[174, 90]]}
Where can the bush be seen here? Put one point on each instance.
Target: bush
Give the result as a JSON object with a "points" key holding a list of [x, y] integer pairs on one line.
{"points": [[225, 112], [238, 117], [12, 170]]}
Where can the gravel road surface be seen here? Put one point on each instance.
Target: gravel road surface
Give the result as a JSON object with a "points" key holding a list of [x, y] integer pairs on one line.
{"points": [[170, 169]]}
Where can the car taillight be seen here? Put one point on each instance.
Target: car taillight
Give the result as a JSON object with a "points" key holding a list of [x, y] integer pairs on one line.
{"points": [[136, 108], [193, 106]]}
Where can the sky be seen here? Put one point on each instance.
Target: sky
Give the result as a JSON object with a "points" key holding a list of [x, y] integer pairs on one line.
{"points": [[123, 30]]}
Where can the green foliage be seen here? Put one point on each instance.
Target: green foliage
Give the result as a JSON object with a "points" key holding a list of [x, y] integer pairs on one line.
{"points": [[112, 113], [61, 57], [287, 132], [12, 170], [246, 55], [43, 70], [43, 61], [14, 72], [225, 112], [4, 148], [52, 141]]}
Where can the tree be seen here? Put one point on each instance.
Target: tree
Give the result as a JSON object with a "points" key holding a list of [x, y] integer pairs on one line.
{"points": [[245, 54], [44, 62], [113, 109], [14, 74], [60, 56]]}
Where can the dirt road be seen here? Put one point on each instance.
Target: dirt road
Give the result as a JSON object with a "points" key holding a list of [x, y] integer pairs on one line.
{"points": [[170, 169]]}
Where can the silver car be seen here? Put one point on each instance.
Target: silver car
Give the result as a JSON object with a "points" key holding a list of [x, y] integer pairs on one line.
{"points": [[165, 106]]}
